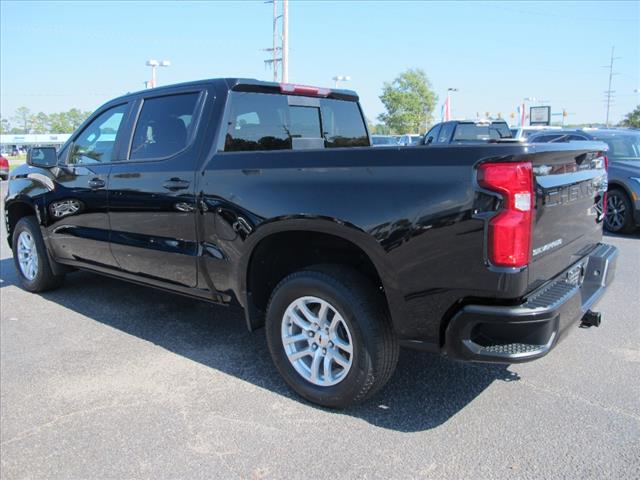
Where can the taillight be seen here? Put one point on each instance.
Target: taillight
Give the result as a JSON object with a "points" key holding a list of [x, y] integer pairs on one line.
{"points": [[304, 90], [604, 195], [510, 230]]}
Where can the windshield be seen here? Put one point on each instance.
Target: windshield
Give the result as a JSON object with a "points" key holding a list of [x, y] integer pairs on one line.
{"points": [[622, 146], [481, 131], [526, 133]]}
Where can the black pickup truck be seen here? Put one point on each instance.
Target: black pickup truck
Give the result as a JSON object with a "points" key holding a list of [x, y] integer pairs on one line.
{"points": [[270, 196]]}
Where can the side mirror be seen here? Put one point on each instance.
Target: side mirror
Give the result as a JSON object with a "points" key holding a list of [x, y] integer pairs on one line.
{"points": [[45, 157], [429, 140]]}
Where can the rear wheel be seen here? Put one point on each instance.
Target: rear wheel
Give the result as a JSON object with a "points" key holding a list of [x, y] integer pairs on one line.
{"points": [[330, 336], [619, 217], [30, 257]]}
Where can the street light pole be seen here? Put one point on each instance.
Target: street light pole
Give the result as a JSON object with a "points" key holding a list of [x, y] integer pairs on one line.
{"points": [[340, 78], [449, 111], [155, 64]]}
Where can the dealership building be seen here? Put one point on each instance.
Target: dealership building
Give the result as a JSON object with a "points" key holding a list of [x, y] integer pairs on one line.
{"points": [[27, 140]]}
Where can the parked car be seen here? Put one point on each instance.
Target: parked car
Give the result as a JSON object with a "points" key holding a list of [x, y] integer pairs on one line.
{"points": [[623, 196], [408, 140], [269, 196], [383, 141], [523, 133], [4, 168], [465, 131]]}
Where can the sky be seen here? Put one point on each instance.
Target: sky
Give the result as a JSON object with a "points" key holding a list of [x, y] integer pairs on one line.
{"points": [[59, 55]]}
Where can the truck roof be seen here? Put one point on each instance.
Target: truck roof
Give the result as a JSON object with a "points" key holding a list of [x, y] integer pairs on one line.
{"points": [[249, 84]]}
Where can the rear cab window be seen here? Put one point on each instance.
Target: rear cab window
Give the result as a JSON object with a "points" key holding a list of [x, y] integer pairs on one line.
{"points": [[272, 121], [481, 131]]}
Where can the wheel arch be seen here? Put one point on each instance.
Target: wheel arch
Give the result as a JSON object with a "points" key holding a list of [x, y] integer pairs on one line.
{"points": [[620, 186], [14, 211], [318, 241], [629, 194]]}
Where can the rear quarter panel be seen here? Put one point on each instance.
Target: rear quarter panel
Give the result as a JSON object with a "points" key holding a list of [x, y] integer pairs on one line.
{"points": [[410, 208]]}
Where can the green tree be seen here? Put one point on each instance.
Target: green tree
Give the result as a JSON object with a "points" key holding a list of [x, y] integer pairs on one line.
{"points": [[75, 117], [379, 129], [632, 119], [409, 102], [5, 126], [40, 123], [59, 123], [23, 119]]}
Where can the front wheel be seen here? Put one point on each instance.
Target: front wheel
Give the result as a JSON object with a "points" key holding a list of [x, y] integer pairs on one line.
{"points": [[30, 257], [330, 336]]}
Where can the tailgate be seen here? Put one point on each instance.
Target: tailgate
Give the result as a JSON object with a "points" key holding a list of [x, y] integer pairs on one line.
{"points": [[569, 182]]}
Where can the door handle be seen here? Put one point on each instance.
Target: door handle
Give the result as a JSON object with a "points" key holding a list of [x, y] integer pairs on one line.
{"points": [[176, 184], [96, 183]]}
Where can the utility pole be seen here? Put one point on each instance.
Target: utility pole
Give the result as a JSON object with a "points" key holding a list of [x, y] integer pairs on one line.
{"points": [[285, 41], [275, 40], [340, 78], [609, 93], [274, 60]]}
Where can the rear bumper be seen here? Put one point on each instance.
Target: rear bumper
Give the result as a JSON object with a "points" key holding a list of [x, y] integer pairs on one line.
{"points": [[520, 333]]}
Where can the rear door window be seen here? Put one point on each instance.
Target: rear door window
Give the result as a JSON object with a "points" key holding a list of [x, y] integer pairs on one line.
{"points": [[164, 126]]}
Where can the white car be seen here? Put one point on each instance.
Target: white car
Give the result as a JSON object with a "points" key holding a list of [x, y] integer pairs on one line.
{"points": [[522, 133], [410, 140]]}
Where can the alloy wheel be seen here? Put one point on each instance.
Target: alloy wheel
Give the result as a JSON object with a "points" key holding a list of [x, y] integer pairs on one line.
{"points": [[317, 341], [27, 255], [616, 213]]}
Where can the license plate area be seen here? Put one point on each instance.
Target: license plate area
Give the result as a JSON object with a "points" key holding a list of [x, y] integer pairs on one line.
{"points": [[575, 275]]}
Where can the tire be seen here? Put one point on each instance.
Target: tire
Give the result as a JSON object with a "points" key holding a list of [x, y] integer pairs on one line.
{"points": [[619, 217], [36, 277], [360, 318]]}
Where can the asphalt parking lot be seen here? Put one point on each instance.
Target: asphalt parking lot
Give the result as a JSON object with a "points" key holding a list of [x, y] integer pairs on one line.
{"points": [[104, 379]]}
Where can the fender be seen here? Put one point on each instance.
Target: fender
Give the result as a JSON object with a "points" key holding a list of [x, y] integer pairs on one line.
{"points": [[330, 226], [20, 201]]}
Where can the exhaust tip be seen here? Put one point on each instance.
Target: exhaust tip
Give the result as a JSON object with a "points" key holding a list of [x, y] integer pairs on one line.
{"points": [[591, 319]]}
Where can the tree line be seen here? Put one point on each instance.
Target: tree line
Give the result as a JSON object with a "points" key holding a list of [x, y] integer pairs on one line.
{"points": [[409, 102], [24, 121]]}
